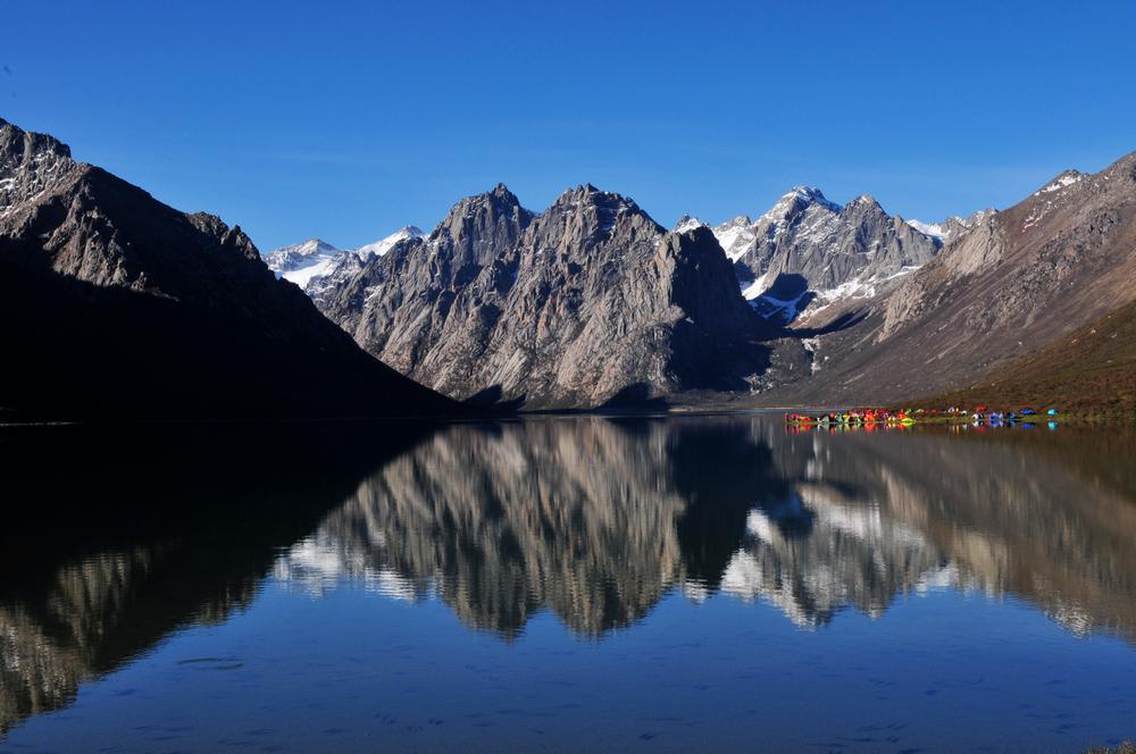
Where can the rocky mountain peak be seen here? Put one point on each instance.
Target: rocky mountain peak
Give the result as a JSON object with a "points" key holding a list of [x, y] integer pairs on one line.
{"points": [[28, 163], [478, 226], [863, 202], [490, 205], [27, 145], [795, 202], [588, 212]]}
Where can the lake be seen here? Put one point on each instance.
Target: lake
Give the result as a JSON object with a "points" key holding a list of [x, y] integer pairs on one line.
{"points": [[688, 583]]}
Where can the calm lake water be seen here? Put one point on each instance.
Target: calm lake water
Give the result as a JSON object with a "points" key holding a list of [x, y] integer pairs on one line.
{"points": [[567, 584]]}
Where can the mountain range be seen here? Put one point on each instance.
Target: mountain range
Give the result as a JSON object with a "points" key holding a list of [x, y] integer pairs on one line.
{"points": [[591, 301], [116, 306]]}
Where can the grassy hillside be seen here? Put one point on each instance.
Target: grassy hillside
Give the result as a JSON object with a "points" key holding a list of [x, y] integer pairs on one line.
{"points": [[1091, 371]]}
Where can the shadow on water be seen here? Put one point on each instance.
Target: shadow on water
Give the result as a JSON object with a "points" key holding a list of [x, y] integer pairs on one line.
{"points": [[112, 543], [112, 540]]}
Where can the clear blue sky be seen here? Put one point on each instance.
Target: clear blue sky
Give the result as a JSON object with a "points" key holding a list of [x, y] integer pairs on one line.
{"points": [[295, 121]]}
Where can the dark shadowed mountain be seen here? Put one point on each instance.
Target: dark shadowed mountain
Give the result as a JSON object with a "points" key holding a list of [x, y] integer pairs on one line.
{"points": [[114, 305], [153, 529]]}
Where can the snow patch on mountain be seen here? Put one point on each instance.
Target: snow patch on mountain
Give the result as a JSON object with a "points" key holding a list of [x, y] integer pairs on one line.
{"points": [[383, 245], [1067, 178], [755, 289], [735, 236], [935, 230], [307, 263], [300, 262], [687, 223]]}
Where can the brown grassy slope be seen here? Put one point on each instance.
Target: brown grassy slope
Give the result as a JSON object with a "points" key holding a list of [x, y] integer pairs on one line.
{"points": [[1093, 369]]}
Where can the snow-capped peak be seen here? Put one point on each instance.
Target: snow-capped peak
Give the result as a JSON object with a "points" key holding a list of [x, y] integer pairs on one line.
{"points": [[299, 262], [809, 193], [304, 262], [686, 222], [309, 248], [383, 245], [795, 200]]}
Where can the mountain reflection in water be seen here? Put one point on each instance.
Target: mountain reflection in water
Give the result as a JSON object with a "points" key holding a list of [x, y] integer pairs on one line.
{"points": [[597, 519], [594, 519]]}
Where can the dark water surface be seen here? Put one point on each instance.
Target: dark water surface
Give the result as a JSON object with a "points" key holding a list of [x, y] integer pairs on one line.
{"points": [[566, 584]]}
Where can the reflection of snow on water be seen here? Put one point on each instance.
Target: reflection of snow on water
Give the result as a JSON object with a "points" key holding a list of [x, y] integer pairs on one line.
{"points": [[815, 554], [316, 566]]}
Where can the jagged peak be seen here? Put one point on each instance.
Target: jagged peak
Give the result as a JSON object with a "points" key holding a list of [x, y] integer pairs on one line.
{"points": [[587, 194], [865, 200], [737, 221], [502, 191], [30, 143], [207, 221], [500, 198], [602, 207], [499, 193]]}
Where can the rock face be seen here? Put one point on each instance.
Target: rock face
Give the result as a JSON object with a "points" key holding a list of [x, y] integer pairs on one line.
{"points": [[588, 302], [116, 305], [1013, 282]]}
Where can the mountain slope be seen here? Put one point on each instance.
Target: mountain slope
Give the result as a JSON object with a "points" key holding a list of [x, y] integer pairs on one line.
{"points": [[1091, 369], [1016, 281], [584, 303], [114, 305]]}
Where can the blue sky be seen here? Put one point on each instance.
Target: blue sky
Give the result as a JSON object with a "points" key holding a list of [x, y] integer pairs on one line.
{"points": [[348, 120]]}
